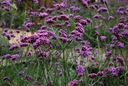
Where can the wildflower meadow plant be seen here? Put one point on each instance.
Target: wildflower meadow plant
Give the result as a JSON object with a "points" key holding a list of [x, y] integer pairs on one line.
{"points": [[72, 43]]}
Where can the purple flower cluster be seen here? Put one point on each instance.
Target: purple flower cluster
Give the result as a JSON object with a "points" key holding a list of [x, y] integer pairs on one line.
{"points": [[43, 15], [92, 75], [61, 5], [85, 49], [28, 24], [80, 70], [12, 47], [58, 31], [12, 57], [42, 54], [75, 8], [28, 77], [122, 10], [36, 1], [102, 9], [85, 3], [8, 34], [38, 39], [6, 56], [102, 38], [15, 57], [5, 4], [121, 60], [73, 83], [24, 44], [6, 78], [113, 71], [21, 73]]}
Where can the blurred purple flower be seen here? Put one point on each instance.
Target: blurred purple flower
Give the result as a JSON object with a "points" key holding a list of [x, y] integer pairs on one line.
{"points": [[64, 39], [85, 3], [83, 22], [6, 78], [103, 38], [24, 44], [100, 73], [63, 17], [36, 1], [92, 75], [28, 77], [75, 8], [121, 60], [6, 56], [15, 57], [96, 16], [43, 54], [80, 69], [85, 53], [88, 20], [73, 83], [108, 54], [120, 45], [102, 9], [12, 47], [110, 17], [21, 73], [43, 15], [50, 21], [92, 7], [78, 17], [80, 29]]}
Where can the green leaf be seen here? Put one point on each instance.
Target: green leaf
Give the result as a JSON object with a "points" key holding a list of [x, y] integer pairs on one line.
{"points": [[73, 25], [14, 6]]}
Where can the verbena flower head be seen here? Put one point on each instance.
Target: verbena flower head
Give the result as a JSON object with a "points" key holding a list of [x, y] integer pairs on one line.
{"points": [[80, 29], [15, 56], [92, 75], [28, 77], [36, 1], [73, 83], [24, 44], [78, 17], [75, 8], [63, 17], [92, 7], [113, 71], [18, 31], [100, 73], [80, 69], [43, 54], [6, 56], [103, 38], [102, 9], [83, 22], [64, 39], [120, 45], [6, 78], [85, 3], [6, 5], [21, 73], [65, 27], [110, 17], [108, 54], [121, 60], [96, 16], [43, 15], [12, 47]]}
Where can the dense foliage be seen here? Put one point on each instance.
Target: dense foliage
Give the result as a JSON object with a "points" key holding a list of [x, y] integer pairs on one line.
{"points": [[72, 43]]}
